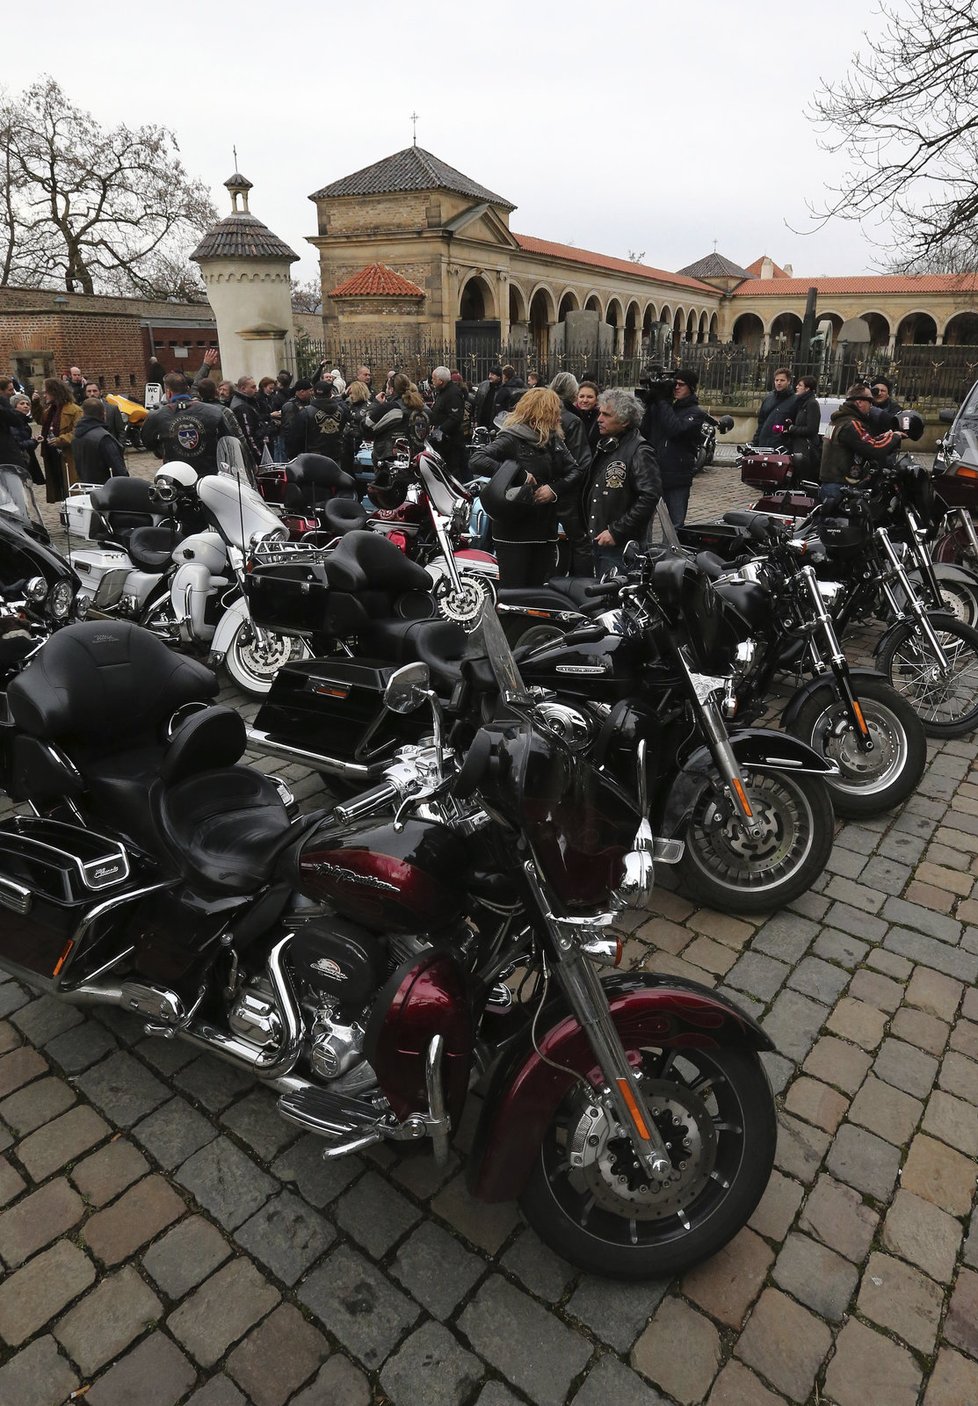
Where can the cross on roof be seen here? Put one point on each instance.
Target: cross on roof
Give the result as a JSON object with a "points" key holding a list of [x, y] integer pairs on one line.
{"points": [[414, 125]]}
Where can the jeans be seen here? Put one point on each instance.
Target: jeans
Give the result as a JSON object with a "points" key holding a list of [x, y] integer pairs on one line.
{"points": [[676, 501]]}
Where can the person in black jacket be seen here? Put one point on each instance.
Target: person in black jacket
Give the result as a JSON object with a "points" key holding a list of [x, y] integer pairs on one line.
{"points": [[853, 439], [673, 425], [97, 453], [803, 425], [484, 398], [578, 545], [324, 418], [398, 416], [773, 409], [11, 429], [256, 427], [525, 538], [624, 485], [114, 422], [586, 406], [446, 414], [293, 425], [509, 392], [883, 401], [187, 431]]}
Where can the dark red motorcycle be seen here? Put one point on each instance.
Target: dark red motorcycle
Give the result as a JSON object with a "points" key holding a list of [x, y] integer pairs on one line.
{"points": [[369, 962]]}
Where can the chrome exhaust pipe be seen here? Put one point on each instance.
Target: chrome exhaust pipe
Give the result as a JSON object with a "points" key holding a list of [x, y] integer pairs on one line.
{"points": [[331, 766]]}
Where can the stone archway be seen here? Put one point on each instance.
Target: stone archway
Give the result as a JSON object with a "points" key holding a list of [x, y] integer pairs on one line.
{"points": [[701, 330], [748, 331], [917, 329], [593, 304], [785, 330], [615, 318], [962, 330], [678, 327], [649, 320], [632, 329], [518, 316], [476, 301], [569, 302], [543, 315], [879, 328], [714, 328]]}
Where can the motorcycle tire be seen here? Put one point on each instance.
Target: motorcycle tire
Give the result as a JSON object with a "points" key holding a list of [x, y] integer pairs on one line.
{"points": [[715, 1107], [868, 783], [946, 707], [961, 601], [725, 869], [254, 656], [525, 636]]}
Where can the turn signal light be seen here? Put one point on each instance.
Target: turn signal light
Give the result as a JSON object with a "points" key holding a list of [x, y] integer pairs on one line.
{"points": [[606, 950]]}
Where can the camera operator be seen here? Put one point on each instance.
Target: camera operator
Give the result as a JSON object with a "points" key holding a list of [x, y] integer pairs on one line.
{"points": [[673, 425]]}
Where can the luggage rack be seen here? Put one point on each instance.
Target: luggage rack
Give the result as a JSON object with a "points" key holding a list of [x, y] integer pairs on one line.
{"points": [[292, 553]]}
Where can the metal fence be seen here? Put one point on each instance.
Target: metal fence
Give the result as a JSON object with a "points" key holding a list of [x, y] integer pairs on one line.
{"points": [[730, 374]]}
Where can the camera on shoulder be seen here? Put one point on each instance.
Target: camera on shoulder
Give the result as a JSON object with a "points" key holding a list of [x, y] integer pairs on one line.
{"points": [[655, 383]]}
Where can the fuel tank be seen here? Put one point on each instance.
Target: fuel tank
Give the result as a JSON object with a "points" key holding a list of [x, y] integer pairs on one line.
{"points": [[387, 880], [598, 671]]}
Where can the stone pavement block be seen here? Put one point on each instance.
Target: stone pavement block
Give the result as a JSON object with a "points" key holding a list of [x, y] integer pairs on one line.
{"points": [[954, 1381], [174, 1132], [435, 1268], [81, 1047], [107, 1320], [318, 1182], [815, 1275], [685, 1375], [664, 936], [785, 936], [165, 1056], [837, 1062], [809, 905], [434, 1356], [212, 1082], [537, 1267], [286, 1236], [785, 1343], [616, 1311], [932, 954], [727, 1284], [922, 1233], [868, 1367], [820, 980], [487, 1226], [35, 1105], [34, 1294], [219, 1391], [856, 1021], [758, 975], [876, 990], [277, 1357], [38, 1219], [942, 877], [9, 1037], [838, 1216], [934, 992], [737, 1386], [122, 1088], [886, 875], [711, 956], [37, 1376], [11, 1182], [937, 899], [840, 947], [864, 1161], [898, 1297], [922, 920], [953, 1121], [226, 1182], [20, 1067], [889, 964], [800, 1148], [817, 1103], [960, 1076], [46, 1018], [185, 1255], [12, 997], [855, 922], [108, 1171], [525, 1343], [794, 1021], [611, 1381], [339, 1383], [887, 1111], [918, 1028], [221, 1311], [156, 1373], [940, 1175], [374, 1214], [136, 1218], [861, 895], [358, 1305], [777, 1208], [256, 1121], [61, 1141], [418, 1172], [906, 1067]]}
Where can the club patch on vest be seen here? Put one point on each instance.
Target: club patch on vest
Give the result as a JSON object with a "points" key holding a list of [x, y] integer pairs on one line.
{"points": [[188, 436], [614, 474]]}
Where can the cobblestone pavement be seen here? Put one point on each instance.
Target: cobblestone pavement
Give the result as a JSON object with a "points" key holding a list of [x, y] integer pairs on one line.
{"points": [[167, 1238]]}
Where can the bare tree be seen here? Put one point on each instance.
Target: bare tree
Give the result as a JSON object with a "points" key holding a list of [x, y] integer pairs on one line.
{"points": [[307, 295], [636, 257], [113, 209], [906, 116]]}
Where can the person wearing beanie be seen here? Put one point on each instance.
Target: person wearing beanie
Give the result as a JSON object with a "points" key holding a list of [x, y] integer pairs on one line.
{"points": [[673, 425], [293, 427], [484, 400]]}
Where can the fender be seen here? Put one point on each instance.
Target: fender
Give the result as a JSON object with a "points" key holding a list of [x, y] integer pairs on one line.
{"points": [[908, 622], [948, 571], [752, 746], [190, 590], [525, 1092], [228, 625], [808, 691]]}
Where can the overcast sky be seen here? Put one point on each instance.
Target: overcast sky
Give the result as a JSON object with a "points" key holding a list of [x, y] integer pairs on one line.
{"points": [[624, 126]]}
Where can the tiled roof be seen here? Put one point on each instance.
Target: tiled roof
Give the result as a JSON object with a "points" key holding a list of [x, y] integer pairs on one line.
{"points": [[605, 261], [410, 169], [241, 236], [859, 283], [715, 266], [376, 281], [755, 268], [239, 181]]}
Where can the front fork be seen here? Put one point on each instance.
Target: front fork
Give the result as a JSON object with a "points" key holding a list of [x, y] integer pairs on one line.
{"points": [[837, 659], [702, 690], [914, 604], [621, 1094]]}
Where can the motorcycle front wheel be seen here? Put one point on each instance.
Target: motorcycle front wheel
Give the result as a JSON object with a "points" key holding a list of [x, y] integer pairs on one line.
{"points": [[868, 783], [715, 1112], [725, 868], [945, 701], [255, 655]]}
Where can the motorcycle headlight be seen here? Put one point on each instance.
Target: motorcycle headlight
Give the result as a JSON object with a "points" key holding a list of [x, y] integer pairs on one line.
{"points": [[829, 591], [59, 600]]}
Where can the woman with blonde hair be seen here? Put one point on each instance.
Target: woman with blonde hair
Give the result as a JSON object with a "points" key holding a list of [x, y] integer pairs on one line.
{"points": [[530, 466], [358, 399]]}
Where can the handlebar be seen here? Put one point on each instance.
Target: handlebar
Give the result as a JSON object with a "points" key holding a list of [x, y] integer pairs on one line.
{"points": [[367, 802], [605, 588]]}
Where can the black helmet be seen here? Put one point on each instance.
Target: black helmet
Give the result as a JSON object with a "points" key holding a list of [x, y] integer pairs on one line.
{"points": [[388, 489], [909, 424]]}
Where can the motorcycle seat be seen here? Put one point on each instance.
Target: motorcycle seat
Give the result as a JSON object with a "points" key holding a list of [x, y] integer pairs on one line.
{"points": [[224, 828], [342, 515], [746, 517], [573, 588], [536, 598], [319, 476], [437, 643], [151, 548], [711, 565], [369, 559]]}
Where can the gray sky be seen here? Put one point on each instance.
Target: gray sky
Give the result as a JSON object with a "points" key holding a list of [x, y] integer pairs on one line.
{"points": [[630, 125]]}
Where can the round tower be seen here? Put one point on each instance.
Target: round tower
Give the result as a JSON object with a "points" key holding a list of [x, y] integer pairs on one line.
{"points": [[247, 272]]}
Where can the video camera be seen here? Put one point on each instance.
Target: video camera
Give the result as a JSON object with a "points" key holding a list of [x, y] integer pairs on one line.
{"points": [[656, 383]]}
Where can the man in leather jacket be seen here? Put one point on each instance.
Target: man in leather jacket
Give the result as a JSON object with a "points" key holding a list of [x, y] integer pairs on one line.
{"points": [[96, 451], [293, 425], [446, 414], [186, 431], [484, 398], [774, 408], [673, 425], [324, 418], [854, 436], [624, 485]]}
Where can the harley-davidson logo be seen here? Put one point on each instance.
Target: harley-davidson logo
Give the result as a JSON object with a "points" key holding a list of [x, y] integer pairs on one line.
{"points": [[581, 669], [325, 966], [350, 876]]}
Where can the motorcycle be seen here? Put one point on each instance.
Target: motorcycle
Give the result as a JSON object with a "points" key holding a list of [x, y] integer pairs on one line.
{"points": [[744, 813], [170, 555], [356, 961]]}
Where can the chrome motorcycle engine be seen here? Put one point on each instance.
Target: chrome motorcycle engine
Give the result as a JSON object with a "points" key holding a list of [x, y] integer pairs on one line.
{"points": [[254, 1016], [334, 1047]]}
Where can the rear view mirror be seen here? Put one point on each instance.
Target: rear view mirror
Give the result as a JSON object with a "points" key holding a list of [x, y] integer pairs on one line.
{"points": [[407, 688], [947, 417]]}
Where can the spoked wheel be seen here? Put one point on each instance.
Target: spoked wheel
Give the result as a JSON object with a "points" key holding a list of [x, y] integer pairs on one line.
{"points": [[868, 783], [946, 700], [464, 606], [960, 601], [255, 656], [728, 869], [715, 1113]]}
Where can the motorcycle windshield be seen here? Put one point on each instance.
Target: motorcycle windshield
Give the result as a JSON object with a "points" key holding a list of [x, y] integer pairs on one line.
{"points": [[444, 494], [13, 495]]}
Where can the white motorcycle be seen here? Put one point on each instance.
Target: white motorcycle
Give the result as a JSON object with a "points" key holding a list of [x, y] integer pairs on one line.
{"points": [[170, 555]]}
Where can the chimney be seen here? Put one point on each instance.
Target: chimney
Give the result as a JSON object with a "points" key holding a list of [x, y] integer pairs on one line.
{"points": [[789, 272], [767, 267]]}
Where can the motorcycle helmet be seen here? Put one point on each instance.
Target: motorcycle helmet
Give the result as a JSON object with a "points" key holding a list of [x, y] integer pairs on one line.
{"points": [[909, 424], [388, 489]]}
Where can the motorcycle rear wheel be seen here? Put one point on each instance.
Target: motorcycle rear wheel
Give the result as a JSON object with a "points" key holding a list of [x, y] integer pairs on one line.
{"points": [[733, 872], [868, 782], [947, 707], [715, 1107], [255, 656]]}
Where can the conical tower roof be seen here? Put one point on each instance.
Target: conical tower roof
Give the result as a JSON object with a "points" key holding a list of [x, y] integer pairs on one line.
{"points": [[241, 235]]}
